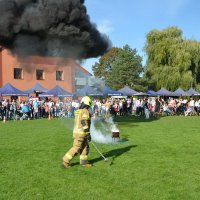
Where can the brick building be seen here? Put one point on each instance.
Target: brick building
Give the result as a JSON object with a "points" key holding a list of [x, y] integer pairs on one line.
{"points": [[23, 73]]}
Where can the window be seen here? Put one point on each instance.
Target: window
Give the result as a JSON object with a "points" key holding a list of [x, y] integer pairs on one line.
{"points": [[18, 73], [59, 76], [39, 74]]}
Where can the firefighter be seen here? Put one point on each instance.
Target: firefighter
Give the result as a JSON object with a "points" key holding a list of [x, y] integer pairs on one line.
{"points": [[81, 134]]}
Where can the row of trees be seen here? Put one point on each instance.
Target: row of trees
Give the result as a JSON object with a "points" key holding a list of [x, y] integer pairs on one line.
{"points": [[172, 62]]}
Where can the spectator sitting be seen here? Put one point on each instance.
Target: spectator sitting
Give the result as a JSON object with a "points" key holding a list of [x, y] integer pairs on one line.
{"points": [[189, 111], [166, 109], [25, 110]]}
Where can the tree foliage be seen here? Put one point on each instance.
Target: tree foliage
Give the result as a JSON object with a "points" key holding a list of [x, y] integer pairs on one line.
{"points": [[172, 62], [120, 67], [103, 68]]}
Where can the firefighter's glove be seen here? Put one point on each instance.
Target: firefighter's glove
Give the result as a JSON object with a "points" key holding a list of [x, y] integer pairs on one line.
{"points": [[88, 137]]}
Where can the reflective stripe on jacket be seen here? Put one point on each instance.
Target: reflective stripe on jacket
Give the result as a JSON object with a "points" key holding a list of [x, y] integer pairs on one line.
{"points": [[82, 122]]}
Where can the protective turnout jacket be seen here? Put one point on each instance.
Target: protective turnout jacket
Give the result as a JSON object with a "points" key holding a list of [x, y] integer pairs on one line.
{"points": [[82, 122]]}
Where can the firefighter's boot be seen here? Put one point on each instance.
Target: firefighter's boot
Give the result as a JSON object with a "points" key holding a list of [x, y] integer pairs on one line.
{"points": [[87, 165], [65, 165]]}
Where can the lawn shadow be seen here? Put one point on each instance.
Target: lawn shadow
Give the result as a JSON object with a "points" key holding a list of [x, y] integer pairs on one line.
{"points": [[111, 155]]}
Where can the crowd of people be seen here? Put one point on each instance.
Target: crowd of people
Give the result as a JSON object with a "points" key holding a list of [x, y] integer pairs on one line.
{"points": [[139, 106], [150, 106], [34, 109]]}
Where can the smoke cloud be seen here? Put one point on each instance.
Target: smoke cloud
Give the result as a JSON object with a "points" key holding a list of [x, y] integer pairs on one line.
{"points": [[101, 130], [50, 28]]}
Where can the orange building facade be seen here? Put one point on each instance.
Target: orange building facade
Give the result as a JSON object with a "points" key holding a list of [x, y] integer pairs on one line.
{"points": [[23, 73]]}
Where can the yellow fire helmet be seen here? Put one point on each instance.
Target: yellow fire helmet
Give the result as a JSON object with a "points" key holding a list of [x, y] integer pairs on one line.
{"points": [[86, 100]]}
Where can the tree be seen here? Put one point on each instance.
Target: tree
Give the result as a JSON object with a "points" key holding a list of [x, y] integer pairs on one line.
{"points": [[103, 68], [172, 62], [120, 67]]}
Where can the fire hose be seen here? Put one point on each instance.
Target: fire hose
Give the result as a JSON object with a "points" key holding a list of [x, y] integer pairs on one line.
{"points": [[105, 159]]}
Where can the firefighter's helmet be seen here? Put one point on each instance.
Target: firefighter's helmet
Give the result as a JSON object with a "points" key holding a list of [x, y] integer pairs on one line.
{"points": [[86, 100]]}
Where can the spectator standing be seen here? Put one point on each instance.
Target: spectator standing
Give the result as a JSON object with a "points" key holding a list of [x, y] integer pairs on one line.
{"points": [[146, 109], [35, 108], [13, 108], [129, 106], [107, 106], [138, 106], [120, 107], [115, 108], [4, 105], [157, 106]]}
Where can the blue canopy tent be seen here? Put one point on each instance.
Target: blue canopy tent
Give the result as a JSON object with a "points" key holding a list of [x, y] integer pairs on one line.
{"points": [[152, 93], [141, 94], [9, 90], [57, 91], [127, 91], [109, 92], [36, 88], [88, 91], [180, 92], [164, 92], [192, 92]]}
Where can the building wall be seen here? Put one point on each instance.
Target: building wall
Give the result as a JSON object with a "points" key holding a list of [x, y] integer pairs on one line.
{"points": [[29, 65]]}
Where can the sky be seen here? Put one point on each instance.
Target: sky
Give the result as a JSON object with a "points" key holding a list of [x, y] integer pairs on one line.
{"points": [[128, 21]]}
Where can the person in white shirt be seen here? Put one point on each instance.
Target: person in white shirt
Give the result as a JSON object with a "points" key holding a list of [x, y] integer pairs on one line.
{"points": [[138, 106], [146, 109], [191, 103]]}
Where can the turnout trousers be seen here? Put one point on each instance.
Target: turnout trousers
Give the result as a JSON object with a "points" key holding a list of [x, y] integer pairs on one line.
{"points": [[80, 146]]}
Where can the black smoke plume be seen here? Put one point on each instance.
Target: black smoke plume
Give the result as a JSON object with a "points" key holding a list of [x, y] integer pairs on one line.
{"points": [[50, 28]]}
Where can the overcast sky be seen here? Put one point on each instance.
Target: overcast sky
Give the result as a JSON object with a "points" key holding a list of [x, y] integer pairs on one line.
{"points": [[128, 21]]}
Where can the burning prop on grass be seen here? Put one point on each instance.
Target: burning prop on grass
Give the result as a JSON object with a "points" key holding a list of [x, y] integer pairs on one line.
{"points": [[104, 130], [114, 129], [115, 135]]}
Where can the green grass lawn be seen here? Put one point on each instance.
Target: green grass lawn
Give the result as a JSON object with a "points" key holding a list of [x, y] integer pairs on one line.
{"points": [[159, 159]]}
